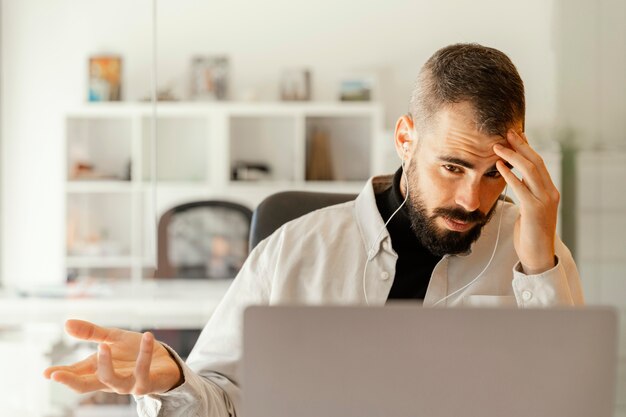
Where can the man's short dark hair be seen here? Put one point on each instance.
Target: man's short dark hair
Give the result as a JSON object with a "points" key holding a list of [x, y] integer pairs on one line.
{"points": [[482, 76]]}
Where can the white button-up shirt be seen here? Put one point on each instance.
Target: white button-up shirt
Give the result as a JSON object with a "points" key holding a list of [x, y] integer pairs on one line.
{"points": [[321, 258]]}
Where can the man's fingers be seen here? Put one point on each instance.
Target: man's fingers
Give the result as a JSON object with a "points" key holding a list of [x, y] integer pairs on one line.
{"points": [[142, 368], [85, 366], [528, 170], [85, 330], [516, 184], [520, 144], [78, 383], [107, 375]]}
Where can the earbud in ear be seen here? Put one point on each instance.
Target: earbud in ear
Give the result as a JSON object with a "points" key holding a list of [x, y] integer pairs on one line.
{"points": [[405, 148]]}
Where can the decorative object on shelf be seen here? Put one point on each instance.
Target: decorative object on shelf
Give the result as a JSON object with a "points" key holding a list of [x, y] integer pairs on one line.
{"points": [[248, 95], [163, 94], [319, 166], [295, 85], [128, 170], [356, 89], [209, 77], [92, 244], [86, 171], [250, 171], [105, 78], [81, 170]]}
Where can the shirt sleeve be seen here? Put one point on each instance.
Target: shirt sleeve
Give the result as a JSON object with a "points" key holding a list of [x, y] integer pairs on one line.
{"points": [[197, 396], [559, 286]]}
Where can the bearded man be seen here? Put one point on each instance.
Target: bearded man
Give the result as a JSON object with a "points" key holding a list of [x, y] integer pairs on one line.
{"points": [[438, 231]]}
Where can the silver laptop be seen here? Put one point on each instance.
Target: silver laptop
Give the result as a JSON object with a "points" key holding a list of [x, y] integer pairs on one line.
{"points": [[406, 361]]}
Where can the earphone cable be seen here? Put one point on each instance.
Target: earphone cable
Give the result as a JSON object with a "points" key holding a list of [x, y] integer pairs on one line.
{"points": [[493, 253], [382, 229]]}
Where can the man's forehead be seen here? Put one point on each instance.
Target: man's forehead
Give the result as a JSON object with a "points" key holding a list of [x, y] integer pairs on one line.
{"points": [[456, 130]]}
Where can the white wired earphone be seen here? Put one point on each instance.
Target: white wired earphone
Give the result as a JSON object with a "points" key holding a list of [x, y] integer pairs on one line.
{"points": [[405, 148]]}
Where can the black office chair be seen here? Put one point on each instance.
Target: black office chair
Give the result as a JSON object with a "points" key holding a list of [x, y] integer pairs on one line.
{"points": [[282, 207], [203, 239]]}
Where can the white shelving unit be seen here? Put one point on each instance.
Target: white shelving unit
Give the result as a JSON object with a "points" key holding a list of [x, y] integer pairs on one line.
{"points": [[111, 201]]}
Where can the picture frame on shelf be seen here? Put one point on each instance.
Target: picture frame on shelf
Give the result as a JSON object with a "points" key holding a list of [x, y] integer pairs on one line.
{"points": [[359, 88], [209, 77], [295, 85], [105, 78], [251, 171]]}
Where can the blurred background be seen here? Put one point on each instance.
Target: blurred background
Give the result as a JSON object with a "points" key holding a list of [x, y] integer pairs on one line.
{"points": [[135, 215]]}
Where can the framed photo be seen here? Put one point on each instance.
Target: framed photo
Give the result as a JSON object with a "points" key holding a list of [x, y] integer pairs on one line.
{"points": [[105, 78], [356, 89], [209, 77], [295, 85]]}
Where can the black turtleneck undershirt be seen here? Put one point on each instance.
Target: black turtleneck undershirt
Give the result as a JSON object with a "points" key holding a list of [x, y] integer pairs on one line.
{"points": [[415, 263]]}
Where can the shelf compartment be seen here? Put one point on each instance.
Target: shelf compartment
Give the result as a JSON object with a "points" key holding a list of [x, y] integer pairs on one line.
{"points": [[182, 148], [338, 148], [99, 149], [263, 141], [99, 225]]}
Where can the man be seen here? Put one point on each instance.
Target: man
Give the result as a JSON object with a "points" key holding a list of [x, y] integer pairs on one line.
{"points": [[435, 231]]}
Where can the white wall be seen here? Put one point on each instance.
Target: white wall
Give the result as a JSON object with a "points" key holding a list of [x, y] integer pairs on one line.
{"points": [[590, 46], [45, 45]]}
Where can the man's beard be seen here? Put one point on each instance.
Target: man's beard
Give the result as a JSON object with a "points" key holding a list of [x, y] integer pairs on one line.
{"points": [[437, 240]]}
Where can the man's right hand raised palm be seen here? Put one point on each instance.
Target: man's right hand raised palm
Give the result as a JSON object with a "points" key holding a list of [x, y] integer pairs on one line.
{"points": [[126, 363]]}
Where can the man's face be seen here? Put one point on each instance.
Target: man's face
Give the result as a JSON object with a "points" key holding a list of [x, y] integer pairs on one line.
{"points": [[453, 181]]}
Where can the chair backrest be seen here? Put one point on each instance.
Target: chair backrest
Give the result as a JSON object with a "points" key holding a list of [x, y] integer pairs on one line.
{"points": [[203, 239], [282, 207]]}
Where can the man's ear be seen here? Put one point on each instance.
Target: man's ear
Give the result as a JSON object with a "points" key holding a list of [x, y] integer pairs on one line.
{"points": [[404, 136]]}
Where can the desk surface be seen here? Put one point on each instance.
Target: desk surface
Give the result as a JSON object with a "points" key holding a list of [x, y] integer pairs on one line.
{"points": [[151, 304]]}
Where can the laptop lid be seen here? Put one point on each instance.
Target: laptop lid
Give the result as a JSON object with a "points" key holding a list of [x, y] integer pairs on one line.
{"points": [[405, 361]]}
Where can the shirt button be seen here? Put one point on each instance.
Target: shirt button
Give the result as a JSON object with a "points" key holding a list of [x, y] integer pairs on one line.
{"points": [[384, 275], [527, 295]]}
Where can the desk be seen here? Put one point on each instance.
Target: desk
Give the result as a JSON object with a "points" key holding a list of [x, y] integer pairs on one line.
{"points": [[150, 304], [38, 321], [31, 328]]}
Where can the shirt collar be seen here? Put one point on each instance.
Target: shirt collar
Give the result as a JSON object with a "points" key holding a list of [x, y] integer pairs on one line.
{"points": [[369, 220], [374, 233]]}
